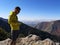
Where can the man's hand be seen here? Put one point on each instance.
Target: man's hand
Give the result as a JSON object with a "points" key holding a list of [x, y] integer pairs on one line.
{"points": [[18, 24]]}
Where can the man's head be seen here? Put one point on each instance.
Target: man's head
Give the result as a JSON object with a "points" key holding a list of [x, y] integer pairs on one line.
{"points": [[17, 10]]}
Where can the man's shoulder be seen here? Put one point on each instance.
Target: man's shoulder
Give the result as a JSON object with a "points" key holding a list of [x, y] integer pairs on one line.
{"points": [[11, 13]]}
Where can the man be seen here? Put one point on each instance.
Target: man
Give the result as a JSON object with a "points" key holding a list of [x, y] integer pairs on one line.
{"points": [[14, 24]]}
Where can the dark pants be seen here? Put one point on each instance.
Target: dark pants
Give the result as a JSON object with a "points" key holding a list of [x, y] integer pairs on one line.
{"points": [[14, 34]]}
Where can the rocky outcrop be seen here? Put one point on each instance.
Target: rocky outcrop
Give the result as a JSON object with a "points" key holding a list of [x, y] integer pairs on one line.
{"points": [[29, 40], [34, 40], [6, 42]]}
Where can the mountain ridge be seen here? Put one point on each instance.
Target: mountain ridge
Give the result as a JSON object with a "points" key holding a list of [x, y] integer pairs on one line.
{"points": [[52, 27], [26, 30]]}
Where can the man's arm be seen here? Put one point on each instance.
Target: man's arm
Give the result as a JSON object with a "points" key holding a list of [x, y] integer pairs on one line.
{"points": [[12, 21]]}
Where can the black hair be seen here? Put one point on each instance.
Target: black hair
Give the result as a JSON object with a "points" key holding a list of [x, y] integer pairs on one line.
{"points": [[18, 8]]}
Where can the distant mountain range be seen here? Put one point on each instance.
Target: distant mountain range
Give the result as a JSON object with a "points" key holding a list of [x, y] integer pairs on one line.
{"points": [[26, 30], [31, 23], [52, 27]]}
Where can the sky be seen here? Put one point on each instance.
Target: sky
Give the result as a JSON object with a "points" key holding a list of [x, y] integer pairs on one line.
{"points": [[32, 10]]}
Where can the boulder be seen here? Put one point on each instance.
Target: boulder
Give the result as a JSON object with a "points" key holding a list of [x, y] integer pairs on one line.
{"points": [[6, 42]]}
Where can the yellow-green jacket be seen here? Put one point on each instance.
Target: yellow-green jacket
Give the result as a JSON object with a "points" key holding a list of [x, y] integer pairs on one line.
{"points": [[13, 21]]}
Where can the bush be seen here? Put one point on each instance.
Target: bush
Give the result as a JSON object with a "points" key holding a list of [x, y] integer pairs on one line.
{"points": [[3, 34], [21, 35]]}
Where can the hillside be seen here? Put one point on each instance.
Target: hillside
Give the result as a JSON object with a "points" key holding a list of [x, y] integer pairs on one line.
{"points": [[52, 27], [3, 34], [26, 30]]}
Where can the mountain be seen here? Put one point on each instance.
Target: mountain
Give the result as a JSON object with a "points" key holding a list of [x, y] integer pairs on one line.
{"points": [[26, 30], [31, 23], [52, 27]]}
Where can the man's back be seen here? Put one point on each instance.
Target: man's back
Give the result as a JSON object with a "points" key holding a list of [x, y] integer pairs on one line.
{"points": [[13, 21]]}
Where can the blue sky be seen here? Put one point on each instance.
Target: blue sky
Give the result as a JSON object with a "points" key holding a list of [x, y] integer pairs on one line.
{"points": [[32, 9]]}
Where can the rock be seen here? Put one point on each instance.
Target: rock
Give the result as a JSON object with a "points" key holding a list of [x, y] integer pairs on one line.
{"points": [[47, 42], [44, 42], [6, 42], [34, 40], [29, 40]]}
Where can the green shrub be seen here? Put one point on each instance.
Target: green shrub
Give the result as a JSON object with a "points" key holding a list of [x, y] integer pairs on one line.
{"points": [[21, 35], [3, 34]]}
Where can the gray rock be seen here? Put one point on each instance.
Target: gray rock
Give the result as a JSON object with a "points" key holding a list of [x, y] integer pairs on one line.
{"points": [[29, 40], [6, 42]]}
